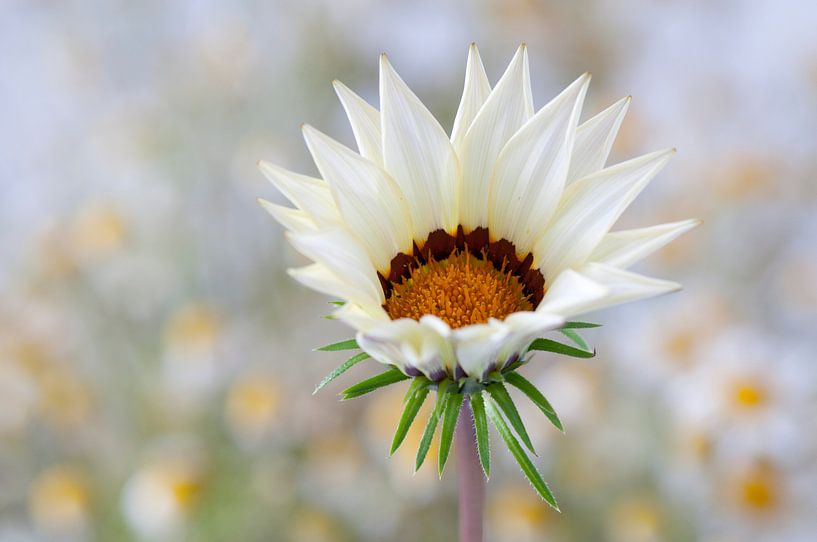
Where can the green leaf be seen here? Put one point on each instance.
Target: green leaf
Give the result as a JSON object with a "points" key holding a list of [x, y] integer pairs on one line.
{"points": [[342, 368], [431, 426], [547, 345], [451, 412], [576, 338], [337, 303], [350, 344], [528, 469], [579, 325], [526, 387], [387, 378], [481, 428], [503, 399], [409, 413]]}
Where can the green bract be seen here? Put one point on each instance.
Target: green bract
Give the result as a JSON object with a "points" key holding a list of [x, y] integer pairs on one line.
{"points": [[489, 400]]}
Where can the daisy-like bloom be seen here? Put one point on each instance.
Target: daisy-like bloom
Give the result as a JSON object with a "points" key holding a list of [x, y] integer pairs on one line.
{"points": [[453, 253]]}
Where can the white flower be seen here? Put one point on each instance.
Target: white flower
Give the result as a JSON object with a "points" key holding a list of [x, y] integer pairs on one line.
{"points": [[454, 253]]}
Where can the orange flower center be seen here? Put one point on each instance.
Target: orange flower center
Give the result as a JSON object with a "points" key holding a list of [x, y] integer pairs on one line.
{"points": [[461, 290]]}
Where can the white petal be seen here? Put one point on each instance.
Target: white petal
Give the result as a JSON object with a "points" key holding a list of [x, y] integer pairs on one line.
{"points": [[413, 346], [292, 219], [624, 286], [624, 248], [474, 93], [370, 203], [418, 155], [365, 122], [478, 346], [595, 138], [339, 252], [570, 294], [507, 108], [531, 170], [524, 328], [361, 318], [306, 193], [319, 278], [588, 210]]}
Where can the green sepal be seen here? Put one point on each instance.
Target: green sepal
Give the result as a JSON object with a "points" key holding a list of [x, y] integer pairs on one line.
{"points": [[387, 378], [548, 345], [528, 469], [481, 429], [576, 338], [337, 303], [500, 394], [451, 412], [431, 426], [342, 368], [417, 384], [514, 366], [526, 387], [579, 325], [349, 344], [415, 401]]}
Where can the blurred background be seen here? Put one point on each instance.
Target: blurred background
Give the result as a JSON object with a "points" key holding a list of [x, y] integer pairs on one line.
{"points": [[156, 363]]}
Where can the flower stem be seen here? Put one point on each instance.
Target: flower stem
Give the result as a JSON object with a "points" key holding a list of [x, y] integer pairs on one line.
{"points": [[471, 478]]}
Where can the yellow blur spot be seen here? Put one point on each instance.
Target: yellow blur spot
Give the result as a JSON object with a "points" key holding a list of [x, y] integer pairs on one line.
{"points": [[98, 229], [758, 489], [252, 404], [58, 499], [194, 326], [313, 525], [517, 513], [636, 519], [679, 345], [747, 394], [185, 491]]}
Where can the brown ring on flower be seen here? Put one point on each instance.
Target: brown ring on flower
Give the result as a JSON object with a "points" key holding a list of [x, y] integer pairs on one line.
{"points": [[464, 279]]}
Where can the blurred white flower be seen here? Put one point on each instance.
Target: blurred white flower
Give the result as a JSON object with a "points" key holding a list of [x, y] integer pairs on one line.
{"points": [[749, 393], [192, 365], [158, 498], [18, 397]]}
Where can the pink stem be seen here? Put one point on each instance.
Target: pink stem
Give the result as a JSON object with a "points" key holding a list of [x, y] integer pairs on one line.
{"points": [[471, 478]]}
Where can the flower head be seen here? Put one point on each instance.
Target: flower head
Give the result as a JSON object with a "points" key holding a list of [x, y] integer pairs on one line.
{"points": [[453, 255]]}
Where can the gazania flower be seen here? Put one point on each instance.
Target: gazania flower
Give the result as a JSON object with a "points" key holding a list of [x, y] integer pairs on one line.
{"points": [[453, 255]]}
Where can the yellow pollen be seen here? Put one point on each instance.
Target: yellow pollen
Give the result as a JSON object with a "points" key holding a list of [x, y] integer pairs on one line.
{"points": [[460, 290]]}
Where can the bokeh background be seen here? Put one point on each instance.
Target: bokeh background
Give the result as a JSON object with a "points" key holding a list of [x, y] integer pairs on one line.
{"points": [[156, 362]]}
